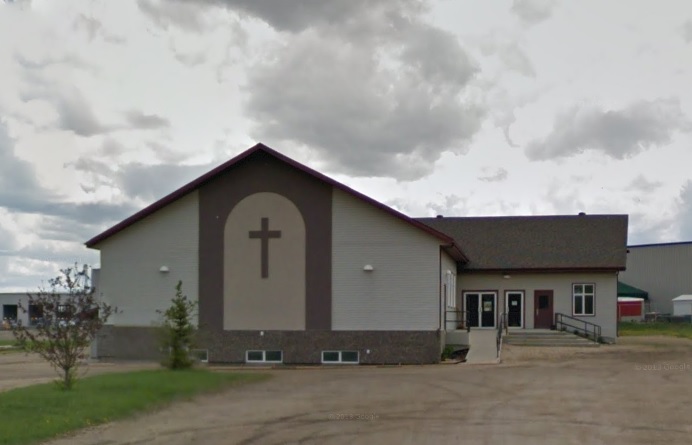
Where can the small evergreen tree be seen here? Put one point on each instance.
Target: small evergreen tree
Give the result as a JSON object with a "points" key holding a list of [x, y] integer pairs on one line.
{"points": [[178, 330]]}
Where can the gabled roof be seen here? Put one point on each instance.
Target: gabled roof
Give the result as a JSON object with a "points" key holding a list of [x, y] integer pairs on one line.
{"points": [[683, 298], [446, 241], [625, 290], [556, 243]]}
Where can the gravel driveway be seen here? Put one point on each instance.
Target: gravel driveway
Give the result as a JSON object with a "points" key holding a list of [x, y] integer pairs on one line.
{"points": [[636, 392]]}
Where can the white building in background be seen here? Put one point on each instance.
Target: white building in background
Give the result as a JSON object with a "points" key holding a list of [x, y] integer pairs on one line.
{"points": [[682, 305], [9, 309]]}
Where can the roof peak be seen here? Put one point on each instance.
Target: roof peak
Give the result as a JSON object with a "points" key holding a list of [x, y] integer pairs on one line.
{"points": [[260, 147]]}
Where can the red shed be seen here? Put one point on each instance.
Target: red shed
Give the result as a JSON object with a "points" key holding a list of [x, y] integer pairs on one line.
{"points": [[630, 309]]}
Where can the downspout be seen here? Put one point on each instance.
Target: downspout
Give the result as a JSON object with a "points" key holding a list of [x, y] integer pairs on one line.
{"points": [[439, 290], [617, 308]]}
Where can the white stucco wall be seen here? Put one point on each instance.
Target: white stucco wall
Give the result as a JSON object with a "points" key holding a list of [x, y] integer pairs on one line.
{"points": [[131, 259], [560, 284], [403, 290]]}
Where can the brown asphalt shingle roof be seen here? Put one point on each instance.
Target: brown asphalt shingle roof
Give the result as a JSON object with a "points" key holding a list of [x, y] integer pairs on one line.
{"points": [[597, 242]]}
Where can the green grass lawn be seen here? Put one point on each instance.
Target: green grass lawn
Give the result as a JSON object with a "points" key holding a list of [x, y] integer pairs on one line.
{"points": [[683, 330], [7, 342], [41, 412]]}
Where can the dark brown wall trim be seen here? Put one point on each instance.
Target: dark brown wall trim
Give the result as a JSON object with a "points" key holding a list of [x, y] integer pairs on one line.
{"points": [[261, 172]]}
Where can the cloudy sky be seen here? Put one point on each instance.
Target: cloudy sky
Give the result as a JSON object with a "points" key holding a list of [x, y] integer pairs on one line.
{"points": [[454, 107]]}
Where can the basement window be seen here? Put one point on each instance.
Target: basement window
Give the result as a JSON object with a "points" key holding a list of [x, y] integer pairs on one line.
{"points": [[340, 357], [264, 356], [201, 355]]}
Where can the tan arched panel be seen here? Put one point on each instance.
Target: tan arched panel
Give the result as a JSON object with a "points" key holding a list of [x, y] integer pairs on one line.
{"points": [[264, 286]]}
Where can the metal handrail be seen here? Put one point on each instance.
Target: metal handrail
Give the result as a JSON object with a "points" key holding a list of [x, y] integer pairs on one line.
{"points": [[589, 330], [459, 317], [502, 325]]}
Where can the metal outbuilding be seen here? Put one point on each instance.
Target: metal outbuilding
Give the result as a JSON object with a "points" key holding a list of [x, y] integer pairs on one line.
{"points": [[682, 305]]}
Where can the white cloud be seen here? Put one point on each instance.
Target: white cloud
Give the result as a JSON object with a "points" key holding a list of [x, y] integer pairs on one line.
{"points": [[533, 11]]}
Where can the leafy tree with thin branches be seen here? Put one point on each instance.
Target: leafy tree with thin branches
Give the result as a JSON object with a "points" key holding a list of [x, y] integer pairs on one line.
{"points": [[66, 316], [179, 330]]}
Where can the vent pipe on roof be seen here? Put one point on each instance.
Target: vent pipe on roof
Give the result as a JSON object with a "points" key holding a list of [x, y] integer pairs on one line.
{"points": [[582, 214], [439, 216]]}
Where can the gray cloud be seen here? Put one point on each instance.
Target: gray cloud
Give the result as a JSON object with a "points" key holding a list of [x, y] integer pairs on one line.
{"points": [[111, 148], [641, 184], [369, 96], [509, 51], [499, 176], [370, 87], [564, 202], [533, 11], [452, 205], [190, 59], [151, 182], [19, 187], [188, 16], [74, 112], [642, 230], [77, 116], [617, 133], [142, 121], [685, 212], [8, 241], [21, 192], [94, 28], [71, 60], [139, 181], [687, 31], [297, 15]]}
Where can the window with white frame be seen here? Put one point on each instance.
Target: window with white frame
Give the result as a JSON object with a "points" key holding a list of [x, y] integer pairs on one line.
{"points": [[583, 299], [264, 356], [450, 288], [340, 357]]}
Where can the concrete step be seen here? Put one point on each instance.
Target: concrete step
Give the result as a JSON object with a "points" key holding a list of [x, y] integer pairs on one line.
{"points": [[546, 338], [584, 344]]}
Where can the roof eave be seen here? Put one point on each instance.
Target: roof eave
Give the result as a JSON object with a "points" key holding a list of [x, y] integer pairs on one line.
{"points": [[195, 184]]}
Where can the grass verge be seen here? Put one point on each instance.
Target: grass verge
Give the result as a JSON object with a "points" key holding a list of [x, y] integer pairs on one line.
{"points": [[41, 412], [7, 342], [682, 330]]}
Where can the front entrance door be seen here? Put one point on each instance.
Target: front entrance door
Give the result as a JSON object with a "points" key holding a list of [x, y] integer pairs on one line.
{"points": [[480, 309], [515, 309], [543, 304]]}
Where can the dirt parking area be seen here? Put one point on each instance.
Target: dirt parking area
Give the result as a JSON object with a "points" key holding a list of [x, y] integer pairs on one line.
{"points": [[636, 392], [19, 369]]}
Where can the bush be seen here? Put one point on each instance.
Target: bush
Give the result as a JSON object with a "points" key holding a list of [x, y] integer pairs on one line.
{"points": [[71, 316], [447, 352]]}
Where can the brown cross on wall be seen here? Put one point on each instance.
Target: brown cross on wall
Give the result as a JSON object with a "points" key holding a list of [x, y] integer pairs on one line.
{"points": [[264, 235]]}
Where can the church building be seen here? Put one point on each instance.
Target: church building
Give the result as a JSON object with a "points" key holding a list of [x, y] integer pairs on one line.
{"points": [[290, 266]]}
